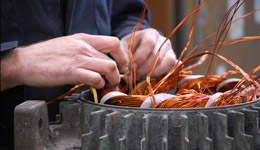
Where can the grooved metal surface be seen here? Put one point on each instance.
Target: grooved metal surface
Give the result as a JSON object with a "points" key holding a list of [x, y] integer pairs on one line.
{"points": [[86, 125]]}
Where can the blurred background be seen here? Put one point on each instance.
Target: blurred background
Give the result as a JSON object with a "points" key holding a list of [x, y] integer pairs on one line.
{"points": [[166, 14]]}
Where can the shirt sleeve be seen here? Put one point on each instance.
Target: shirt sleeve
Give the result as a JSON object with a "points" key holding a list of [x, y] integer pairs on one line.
{"points": [[8, 46], [126, 14]]}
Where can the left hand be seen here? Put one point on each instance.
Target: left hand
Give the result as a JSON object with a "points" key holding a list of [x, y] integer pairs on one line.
{"points": [[145, 45]]}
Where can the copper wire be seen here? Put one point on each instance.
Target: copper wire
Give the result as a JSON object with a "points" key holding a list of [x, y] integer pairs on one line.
{"points": [[204, 84], [128, 100], [185, 101], [193, 93]]}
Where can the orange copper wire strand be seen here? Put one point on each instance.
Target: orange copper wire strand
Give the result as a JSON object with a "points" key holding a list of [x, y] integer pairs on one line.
{"points": [[192, 93], [67, 93], [207, 84], [185, 101], [192, 97], [127, 100], [226, 26], [129, 49], [148, 77], [193, 50]]}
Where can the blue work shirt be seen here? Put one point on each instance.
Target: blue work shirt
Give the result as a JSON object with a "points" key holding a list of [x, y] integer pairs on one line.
{"points": [[31, 21]]}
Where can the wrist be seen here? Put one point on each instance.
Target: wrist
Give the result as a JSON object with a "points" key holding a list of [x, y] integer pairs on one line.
{"points": [[10, 73]]}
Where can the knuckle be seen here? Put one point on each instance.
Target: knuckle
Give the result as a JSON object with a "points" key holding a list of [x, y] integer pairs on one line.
{"points": [[97, 81], [79, 47], [168, 43], [112, 66], [79, 35], [115, 43], [117, 81], [171, 62], [151, 30], [115, 39], [149, 40]]}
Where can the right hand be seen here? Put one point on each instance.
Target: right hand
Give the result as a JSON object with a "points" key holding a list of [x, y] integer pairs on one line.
{"points": [[71, 59], [144, 48]]}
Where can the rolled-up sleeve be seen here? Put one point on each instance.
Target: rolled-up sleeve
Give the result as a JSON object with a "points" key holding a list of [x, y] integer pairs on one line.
{"points": [[126, 14]]}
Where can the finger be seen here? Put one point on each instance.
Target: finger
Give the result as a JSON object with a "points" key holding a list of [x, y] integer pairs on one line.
{"points": [[144, 49], [119, 55], [106, 68], [165, 48], [146, 66], [88, 50], [89, 77], [168, 62], [135, 43], [107, 44]]}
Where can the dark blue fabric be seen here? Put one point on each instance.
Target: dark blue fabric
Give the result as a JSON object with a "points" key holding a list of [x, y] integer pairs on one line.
{"points": [[8, 46], [31, 21]]}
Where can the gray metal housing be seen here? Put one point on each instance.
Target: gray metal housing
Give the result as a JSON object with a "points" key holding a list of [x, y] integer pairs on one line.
{"points": [[89, 126]]}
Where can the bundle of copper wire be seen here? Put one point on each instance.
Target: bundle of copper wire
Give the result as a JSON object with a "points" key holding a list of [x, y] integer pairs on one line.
{"points": [[190, 92], [195, 98], [204, 91], [128, 100], [205, 84], [164, 88], [185, 101]]}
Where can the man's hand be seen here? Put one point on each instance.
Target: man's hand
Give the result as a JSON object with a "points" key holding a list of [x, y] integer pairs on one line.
{"points": [[77, 58], [146, 43]]}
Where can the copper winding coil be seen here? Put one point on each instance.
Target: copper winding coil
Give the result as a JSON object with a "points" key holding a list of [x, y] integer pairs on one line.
{"points": [[165, 87], [186, 91], [198, 92], [193, 93], [227, 84], [128, 100], [185, 101], [236, 96], [194, 97], [206, 84]]}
